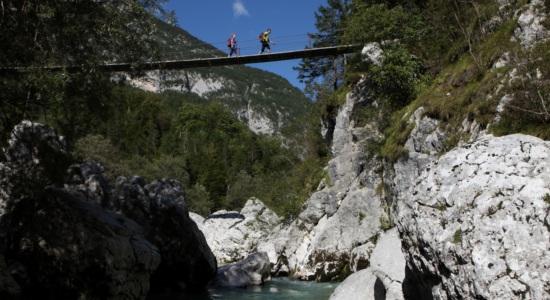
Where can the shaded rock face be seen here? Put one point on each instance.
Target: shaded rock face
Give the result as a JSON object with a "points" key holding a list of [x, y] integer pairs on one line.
{"points": [[159, 207], [232, 236], [73, 249], [336, 232], [383, 279], [253, 270], [474, 222], [78, 238], [8, 286]]}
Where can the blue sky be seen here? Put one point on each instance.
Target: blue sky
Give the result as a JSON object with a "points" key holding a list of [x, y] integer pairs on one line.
{"points": [[214, 20]]}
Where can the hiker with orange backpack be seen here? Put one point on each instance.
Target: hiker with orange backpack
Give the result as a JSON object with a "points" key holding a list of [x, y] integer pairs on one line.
{"points": [[266, 42], [232, 45]]}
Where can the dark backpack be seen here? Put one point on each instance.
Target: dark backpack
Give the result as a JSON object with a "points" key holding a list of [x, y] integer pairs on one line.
{"points": [[229, 42], [261, 36]]}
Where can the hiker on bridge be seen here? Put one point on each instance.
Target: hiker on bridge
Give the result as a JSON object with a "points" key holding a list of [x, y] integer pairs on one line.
{"points": [[232, 45], [264, 39]]}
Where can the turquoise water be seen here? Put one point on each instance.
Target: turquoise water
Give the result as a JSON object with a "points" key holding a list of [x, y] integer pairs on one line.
{"points": [[277, 289]]}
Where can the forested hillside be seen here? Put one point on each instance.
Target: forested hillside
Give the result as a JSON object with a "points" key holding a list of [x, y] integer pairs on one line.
{"points": [[450, 59], [266, 102], [199, 137]]}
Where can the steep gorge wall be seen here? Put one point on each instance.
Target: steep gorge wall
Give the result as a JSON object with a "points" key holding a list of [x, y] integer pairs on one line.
{"points": [[473, 220]]}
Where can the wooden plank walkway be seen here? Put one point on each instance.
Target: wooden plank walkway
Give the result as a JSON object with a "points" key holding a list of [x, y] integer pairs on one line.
{"points": [[203, 62]]}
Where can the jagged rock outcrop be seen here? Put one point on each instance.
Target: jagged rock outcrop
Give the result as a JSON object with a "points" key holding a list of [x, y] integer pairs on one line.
{"points": [[383, 279], [70, 235], [241, 231], [474, 222], [253, 270], [336, 232]]}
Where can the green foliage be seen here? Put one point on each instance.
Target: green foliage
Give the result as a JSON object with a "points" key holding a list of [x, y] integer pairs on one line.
{"points": [[386, 223], [529, 110], [198, 199], [220, 162], [381, 23], [441, 206], [85, 33], [361, 216], [325, 72], [457, 236], [458, 92], [396, 78], [100, 149]]}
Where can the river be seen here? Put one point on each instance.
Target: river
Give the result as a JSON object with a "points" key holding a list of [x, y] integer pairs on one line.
{"points": [[276, 289]]}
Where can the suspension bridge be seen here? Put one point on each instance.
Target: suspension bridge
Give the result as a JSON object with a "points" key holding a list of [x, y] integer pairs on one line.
{"points": [[288, 53], [201, 62]]}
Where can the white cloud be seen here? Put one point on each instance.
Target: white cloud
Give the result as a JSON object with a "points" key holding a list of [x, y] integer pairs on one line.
{"points": [[239, 10]]}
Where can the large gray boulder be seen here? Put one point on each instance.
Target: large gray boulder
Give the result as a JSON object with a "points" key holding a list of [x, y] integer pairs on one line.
{"points": [[474, 222], [233, 236], [253, 270]]}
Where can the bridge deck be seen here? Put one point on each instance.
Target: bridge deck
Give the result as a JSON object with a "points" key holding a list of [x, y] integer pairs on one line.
{"points": [[206, 62]]}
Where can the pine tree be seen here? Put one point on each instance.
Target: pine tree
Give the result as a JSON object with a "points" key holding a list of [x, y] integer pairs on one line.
{"points": [[327, 71]]}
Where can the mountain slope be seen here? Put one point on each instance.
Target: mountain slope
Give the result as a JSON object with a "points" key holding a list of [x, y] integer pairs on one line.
{"points": [[264, 101]]}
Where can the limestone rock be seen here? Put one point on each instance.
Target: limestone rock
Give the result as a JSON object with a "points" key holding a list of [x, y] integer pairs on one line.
{"points": [[383, 279], [334, 234], [474, 221], [372, 53], [253, 270], [363, 285], [241, 231], [531, 29]]}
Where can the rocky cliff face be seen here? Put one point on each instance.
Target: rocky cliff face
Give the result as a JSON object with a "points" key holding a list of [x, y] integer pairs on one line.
{"points": [[337, 231], [66, 232]]}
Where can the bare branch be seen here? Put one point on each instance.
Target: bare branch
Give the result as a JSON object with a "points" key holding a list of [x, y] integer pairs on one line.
{"points": [[538, 113], [543, 103]]}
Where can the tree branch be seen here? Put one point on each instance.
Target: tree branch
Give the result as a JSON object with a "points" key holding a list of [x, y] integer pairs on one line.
{"points": [[542, 102], [538, 113]]}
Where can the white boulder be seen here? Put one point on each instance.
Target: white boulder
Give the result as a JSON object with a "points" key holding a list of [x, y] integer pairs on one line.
{"points": [[476, 219], [232, 236]]}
